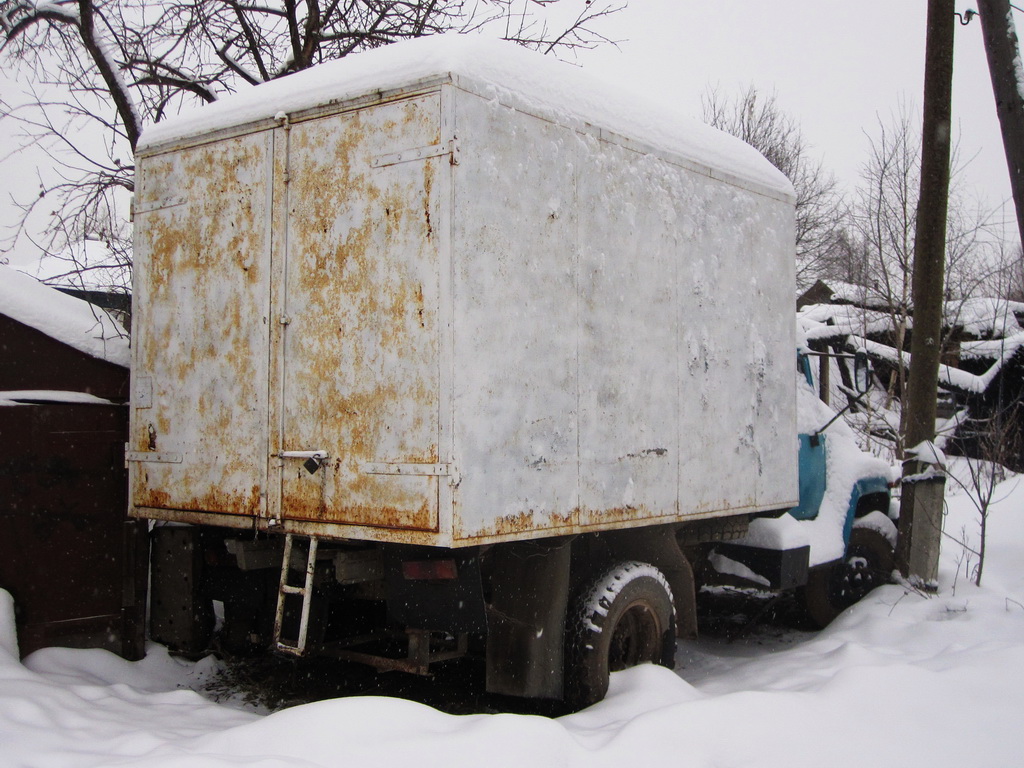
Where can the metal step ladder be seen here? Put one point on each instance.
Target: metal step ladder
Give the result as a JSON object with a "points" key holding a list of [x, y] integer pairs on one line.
{"points": [[298, 647]]}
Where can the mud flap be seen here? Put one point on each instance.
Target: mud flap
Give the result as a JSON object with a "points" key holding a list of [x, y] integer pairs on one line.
{"points": [[525, 619]]}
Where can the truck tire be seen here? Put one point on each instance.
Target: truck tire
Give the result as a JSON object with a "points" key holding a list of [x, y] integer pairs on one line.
{"points": [[622, 618], [834, 587]]}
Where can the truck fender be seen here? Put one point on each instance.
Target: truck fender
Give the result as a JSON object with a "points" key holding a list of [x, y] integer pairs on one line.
{"points": [[658, 546]]}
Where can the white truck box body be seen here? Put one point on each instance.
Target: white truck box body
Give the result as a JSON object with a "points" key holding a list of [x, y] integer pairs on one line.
{"points": [[499, 319]]}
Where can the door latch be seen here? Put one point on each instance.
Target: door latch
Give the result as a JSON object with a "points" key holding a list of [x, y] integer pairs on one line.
{"points": [[313, 459]]}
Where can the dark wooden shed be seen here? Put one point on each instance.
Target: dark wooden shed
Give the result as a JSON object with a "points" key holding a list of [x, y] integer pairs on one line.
{"points": [[74, 563]]}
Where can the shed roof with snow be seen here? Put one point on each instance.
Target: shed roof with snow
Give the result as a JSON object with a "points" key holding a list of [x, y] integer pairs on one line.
{"points": [[55, 342]]}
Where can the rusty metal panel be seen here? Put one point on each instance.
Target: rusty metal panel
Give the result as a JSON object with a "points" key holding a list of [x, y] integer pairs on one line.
{"points": [[199, 371], [623, 342], [359, 317], [515, 225], [535, 328], [630, 251]]}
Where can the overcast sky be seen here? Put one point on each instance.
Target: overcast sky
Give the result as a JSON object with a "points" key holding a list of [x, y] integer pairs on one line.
{"points": [[835, 67]]}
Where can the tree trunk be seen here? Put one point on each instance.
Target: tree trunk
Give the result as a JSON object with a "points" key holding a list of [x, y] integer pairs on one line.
{"points": [[1008, 86], [920, 527]]}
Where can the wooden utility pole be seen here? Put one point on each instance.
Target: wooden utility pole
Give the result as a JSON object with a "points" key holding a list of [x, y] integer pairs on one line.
{"points": [[1001, 48], [920, 529]]}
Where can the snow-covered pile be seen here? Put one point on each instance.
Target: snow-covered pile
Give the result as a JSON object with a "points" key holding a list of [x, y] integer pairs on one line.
{"points": [[503, 71], [899, 679], [72, 321]]}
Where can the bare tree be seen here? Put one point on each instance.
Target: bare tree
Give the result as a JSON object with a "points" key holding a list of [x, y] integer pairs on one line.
{"points": [[119, 65], [884, 216], [1005, 278], [760, 122], [998, 443]]}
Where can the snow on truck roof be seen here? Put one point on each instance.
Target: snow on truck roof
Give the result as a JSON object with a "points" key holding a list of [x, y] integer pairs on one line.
{"points": [[500, 70], [71, 321]]}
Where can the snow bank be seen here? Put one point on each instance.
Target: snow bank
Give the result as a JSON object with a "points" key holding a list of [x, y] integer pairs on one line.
{"points": [[71, 321], [506, 72]]}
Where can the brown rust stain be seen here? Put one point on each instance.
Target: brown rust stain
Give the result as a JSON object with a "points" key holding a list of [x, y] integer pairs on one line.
{"points": [[346, 494], [353, 222], [575, 520], [206, 280], [428, 186], [196, 247], [214, 501], [422, 518], [348, 220]]}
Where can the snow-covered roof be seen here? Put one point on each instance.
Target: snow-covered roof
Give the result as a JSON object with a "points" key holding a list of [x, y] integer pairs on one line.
{"points": [[503, 71], [71, 321], [828, 321], [86, 265], [978, 317], [853, 293], [950, 378], [991, 349], [984, 316]]}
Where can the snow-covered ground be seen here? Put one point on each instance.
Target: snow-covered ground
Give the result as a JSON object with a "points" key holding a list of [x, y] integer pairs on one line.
{"points": [[899, 680]]}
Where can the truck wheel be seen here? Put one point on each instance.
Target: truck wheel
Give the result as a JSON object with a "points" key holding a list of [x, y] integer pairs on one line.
{"points": [[833, 588], [623, 618]]}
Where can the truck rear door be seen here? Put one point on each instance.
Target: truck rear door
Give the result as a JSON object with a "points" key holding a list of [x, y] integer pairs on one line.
{"points": [[357, 307], [288, 304], [201, 340]]}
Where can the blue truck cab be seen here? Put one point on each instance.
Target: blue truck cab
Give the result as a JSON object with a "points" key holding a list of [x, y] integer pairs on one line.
{"points": [[837, 544]]}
